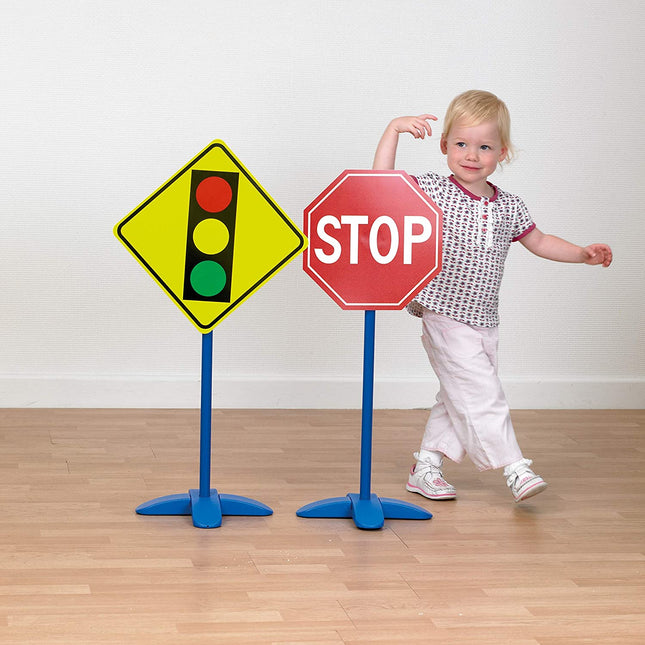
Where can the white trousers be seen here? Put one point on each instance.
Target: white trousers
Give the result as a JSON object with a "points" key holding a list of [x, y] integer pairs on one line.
{"points": [[471, 416]]}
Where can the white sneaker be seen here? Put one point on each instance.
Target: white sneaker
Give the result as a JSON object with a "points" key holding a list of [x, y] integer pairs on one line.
{"points": [[427, 480], [524, 483]]}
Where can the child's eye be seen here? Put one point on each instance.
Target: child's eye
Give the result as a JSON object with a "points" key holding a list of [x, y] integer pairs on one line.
{"points": [[485, 147], [460, 144]]}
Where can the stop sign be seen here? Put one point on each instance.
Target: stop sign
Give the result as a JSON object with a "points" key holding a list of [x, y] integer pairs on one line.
{"points": [[374, 239]]}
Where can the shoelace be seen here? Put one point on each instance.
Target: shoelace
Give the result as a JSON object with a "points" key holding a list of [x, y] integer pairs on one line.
{"points": [[424, 469], [521, 469]]}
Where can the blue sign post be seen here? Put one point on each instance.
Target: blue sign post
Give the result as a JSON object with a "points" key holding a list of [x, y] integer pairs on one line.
{"points": [[206, 505], [366, 509]]}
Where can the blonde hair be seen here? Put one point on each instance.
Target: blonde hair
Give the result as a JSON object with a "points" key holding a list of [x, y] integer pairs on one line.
{"points": [[476, 106]]}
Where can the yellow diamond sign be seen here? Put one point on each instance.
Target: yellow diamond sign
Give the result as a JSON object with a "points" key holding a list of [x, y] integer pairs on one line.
{"points": [[210, 236]]}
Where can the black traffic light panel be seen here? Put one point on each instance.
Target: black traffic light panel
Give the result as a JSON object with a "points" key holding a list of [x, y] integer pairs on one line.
{"points": [[211, 235]]}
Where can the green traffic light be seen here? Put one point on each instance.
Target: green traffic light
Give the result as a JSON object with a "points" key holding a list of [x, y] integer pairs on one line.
{"points": [[208, 278]]}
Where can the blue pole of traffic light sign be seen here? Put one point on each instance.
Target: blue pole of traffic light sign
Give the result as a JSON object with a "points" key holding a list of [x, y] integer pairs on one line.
{"points": [[206, 416], [366, 509], [205, 504]]}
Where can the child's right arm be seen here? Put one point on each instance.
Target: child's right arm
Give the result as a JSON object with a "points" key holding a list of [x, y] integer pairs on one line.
{"points": [[417, 126]]}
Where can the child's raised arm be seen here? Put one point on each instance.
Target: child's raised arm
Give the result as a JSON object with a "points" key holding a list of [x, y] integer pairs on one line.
{"points": [[417, 126]]}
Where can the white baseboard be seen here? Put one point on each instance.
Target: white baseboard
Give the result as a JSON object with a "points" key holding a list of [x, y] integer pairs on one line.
{"points": [[276, 393]]}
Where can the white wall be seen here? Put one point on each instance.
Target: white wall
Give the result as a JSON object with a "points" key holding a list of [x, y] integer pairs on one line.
{"points": [[103, 101]]}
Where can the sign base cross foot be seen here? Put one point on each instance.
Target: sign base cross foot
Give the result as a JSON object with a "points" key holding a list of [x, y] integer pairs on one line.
{"points": [[369, 513], [207, 511]]}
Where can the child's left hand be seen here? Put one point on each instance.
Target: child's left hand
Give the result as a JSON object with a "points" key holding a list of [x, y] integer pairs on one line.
{"points": [[597, 254]]}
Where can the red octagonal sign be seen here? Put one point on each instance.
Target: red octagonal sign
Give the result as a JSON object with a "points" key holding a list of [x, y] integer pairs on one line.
{"points": [[374, 239]]}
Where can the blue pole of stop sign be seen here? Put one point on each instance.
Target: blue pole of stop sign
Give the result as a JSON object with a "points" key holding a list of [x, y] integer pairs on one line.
{"points": [[368, 405], [205, 504], [366, 509]]}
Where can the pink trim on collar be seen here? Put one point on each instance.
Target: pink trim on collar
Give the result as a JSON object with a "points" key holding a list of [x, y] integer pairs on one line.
{"points": [[472, 195]]}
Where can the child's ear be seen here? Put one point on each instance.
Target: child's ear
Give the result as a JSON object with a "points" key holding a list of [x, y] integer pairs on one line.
{"points": [[502, 155], [444, 144]]}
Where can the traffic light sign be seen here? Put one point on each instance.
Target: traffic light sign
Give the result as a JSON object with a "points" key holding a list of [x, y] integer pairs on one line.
{"points": [[211, 236]]}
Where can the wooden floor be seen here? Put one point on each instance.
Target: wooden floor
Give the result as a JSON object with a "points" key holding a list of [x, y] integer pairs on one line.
{"points": [[78, 565]]}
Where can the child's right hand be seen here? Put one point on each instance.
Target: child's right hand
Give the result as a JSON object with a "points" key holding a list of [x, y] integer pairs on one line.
{"points": [[417, 126]]}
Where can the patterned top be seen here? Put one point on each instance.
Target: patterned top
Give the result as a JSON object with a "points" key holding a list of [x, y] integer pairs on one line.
{"points": [[477, 234]]}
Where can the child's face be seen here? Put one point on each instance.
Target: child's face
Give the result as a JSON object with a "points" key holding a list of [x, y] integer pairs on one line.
{"points": [[473, 153]]}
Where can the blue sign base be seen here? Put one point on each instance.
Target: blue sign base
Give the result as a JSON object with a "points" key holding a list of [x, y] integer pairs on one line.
{"points": [[369, 513], [207, 511], [366, 509]]}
